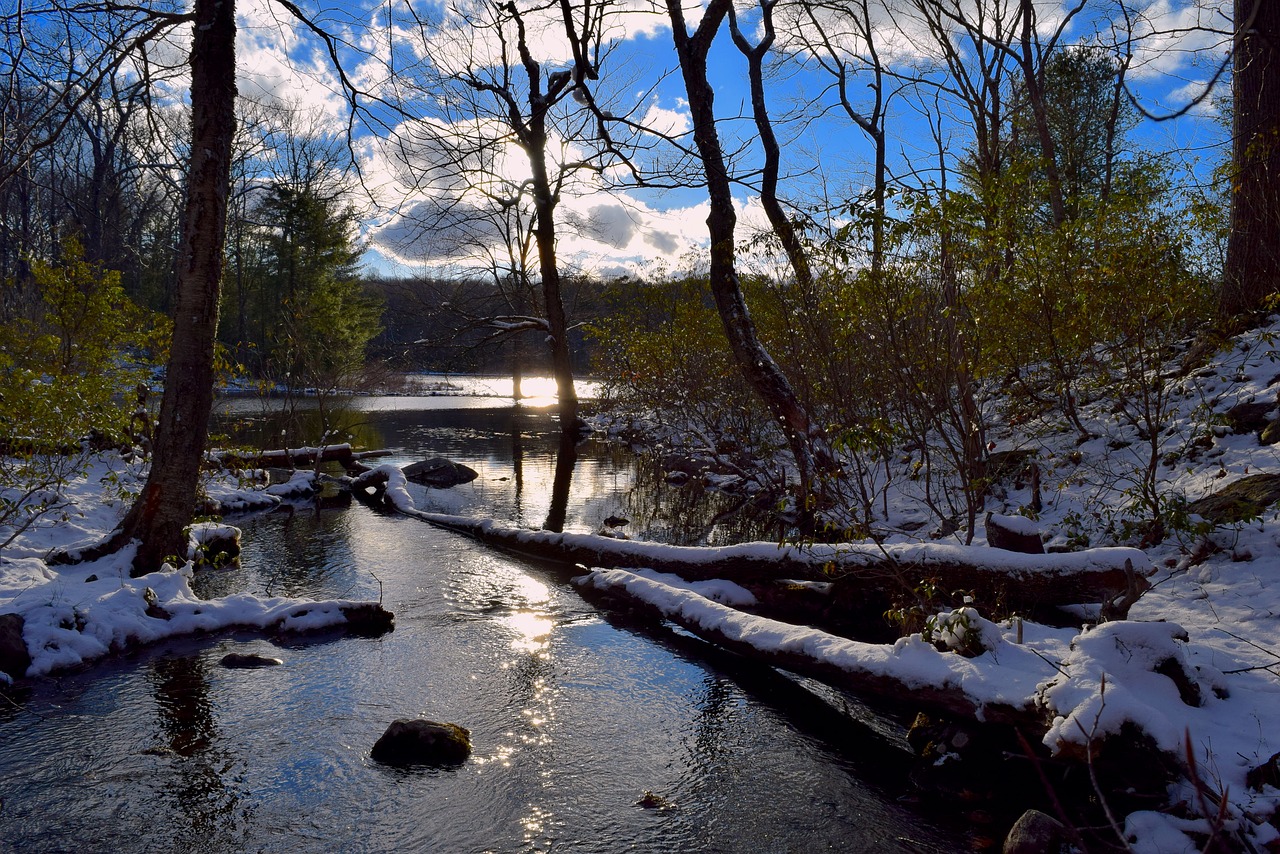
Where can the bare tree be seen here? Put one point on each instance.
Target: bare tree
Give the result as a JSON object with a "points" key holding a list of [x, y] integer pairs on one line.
{"points": [[841, 39], [755, 362], [485, 93]]}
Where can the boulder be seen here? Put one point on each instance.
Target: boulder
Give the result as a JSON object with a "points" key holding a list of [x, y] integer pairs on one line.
{"points": [[1242, 499], [1249, 417], [1036, 833], [1266, 774], [1013, 534], [1271, 433], [14, 657], [248, 661], [422, 742], [1009, 465], [439, 473]]}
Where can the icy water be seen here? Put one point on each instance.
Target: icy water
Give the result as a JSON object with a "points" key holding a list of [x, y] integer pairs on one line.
{"points": [[575, 714]]}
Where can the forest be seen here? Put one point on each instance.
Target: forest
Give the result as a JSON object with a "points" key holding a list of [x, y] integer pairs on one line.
{"points": [[934, 238]]}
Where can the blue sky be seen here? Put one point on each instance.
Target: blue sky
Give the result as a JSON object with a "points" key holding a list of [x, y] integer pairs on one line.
{"points": [[610, 228]]}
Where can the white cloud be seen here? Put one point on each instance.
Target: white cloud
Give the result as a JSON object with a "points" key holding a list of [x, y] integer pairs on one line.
{"points": [[279, 64], [1172, 35], [668, 122]]}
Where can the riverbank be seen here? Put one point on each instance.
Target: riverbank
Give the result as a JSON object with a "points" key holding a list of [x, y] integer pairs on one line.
{"points": [[1193, 670]]}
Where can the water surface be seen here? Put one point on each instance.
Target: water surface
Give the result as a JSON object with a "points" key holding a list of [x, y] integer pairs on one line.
{"points": [[574, 714]]}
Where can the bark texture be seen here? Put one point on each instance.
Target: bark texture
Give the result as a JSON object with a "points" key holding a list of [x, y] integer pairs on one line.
{"points": [[163, 510], [757, 366], [1253, 245]]}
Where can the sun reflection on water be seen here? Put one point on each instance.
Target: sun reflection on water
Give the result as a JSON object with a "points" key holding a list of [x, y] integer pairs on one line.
{"points": [[533, 630]]}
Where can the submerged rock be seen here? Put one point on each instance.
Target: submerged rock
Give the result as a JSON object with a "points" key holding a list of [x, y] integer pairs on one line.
{"points": [[248, 661], [422, 742], [653, 801], [368, 619], [439, 473], [14, 657]]}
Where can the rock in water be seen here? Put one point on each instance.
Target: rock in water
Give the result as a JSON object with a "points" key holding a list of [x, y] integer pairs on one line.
{"points": [[242, 661], [439, 473], [1035, 833], [14, 657], [420, 742]]}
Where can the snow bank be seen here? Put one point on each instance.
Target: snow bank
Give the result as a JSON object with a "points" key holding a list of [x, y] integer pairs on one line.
{"points": [[82, 613], [76, 614], [1006, 675]]}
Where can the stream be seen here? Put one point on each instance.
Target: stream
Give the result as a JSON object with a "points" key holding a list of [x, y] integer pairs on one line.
{"points": [[575, 714]]}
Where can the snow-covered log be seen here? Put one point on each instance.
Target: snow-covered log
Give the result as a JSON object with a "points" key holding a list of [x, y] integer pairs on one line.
{"points": [[862, 575], [909, 671]]}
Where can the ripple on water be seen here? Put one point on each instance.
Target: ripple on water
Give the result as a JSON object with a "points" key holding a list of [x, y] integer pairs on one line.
{"points": [[573, 719]]}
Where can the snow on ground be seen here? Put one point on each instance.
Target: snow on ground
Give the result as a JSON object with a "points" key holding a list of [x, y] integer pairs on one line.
{"points": [[1213, 612], [77, 613], [1214, 607]]}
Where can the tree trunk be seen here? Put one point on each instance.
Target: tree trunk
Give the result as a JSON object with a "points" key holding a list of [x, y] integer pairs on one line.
{"points": [[1035, 94], [783, 228], [1253, 244], [533, 138], [557, 326], [163, 510], [757, 366]]}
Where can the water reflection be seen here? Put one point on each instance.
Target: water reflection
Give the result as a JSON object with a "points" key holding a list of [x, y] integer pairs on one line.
{"points": [[566, 460], [182, 705], [205, 807], [531, 475]]}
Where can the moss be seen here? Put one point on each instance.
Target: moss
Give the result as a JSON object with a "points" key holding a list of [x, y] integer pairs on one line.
{"points": [[1244, 499]]}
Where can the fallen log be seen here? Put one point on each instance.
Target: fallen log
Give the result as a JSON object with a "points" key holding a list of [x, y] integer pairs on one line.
{"points": [[910, 672], [863, 577], [342, 454]]}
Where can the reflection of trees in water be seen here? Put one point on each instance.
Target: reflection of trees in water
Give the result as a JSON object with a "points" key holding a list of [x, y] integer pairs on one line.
{"points": [[206, 810], [566, 460], [691, 514], [717, 709], [525, 441], [276, 426], [293, 552]]}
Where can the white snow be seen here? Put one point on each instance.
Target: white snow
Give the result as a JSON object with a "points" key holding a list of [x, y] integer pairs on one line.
{"points": [[1020, 525], [1213, 610], [75, 614]]}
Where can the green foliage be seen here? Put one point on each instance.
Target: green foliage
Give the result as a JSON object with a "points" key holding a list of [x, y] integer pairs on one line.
{"points": [[923, 611], [294, 309], [64, 375], [662, 349]]}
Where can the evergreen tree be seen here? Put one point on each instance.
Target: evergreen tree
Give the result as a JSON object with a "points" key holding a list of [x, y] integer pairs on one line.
{"points": [[316, 314]]}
